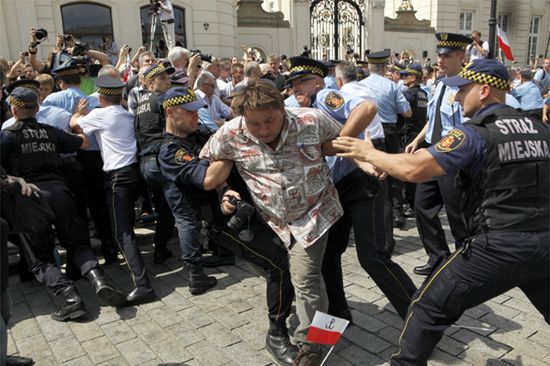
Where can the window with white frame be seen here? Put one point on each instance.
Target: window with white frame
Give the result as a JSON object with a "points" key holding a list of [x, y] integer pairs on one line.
{"points": [[533, 38], [503, 22], [466, 22]]}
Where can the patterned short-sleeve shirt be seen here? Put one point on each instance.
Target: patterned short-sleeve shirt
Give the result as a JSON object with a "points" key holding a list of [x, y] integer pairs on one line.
{"points": [[291, 185]]}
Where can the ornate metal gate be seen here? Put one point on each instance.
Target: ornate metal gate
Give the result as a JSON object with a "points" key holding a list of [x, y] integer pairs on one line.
{"points": [[336, 26]]}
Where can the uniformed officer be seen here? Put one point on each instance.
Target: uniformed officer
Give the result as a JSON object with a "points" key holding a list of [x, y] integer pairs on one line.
{"points": [[179, 162], [418, 99], [529, 96], [114, 128], [357, 192], [391, 102], [502, 157], [443, 115], [149, 124], [31, 150]]}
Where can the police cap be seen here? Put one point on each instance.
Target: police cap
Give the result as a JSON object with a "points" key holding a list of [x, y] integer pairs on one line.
{"points": [[23, 98], [155, 70], [186, 98], [301, 65], [66, 70], [108, 85], [486, 72], [25, 83], [414, 69], [450, 42], [378, 58]]}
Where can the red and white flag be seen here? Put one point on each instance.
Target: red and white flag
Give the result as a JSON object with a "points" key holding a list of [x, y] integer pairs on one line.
{"points": [[504, 44], [326, 329]]}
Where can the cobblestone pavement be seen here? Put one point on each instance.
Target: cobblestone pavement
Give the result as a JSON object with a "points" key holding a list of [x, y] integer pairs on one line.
{"points": [[227, 326]]}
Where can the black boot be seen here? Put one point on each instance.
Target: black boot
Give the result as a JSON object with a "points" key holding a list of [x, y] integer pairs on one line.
{"points": [[161, 254], [278, 344], [199, 282], [72, 308], [105, 289], [19, 361]]}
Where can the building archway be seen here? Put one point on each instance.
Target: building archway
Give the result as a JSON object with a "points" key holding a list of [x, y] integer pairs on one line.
{"points": [[336, 27]]}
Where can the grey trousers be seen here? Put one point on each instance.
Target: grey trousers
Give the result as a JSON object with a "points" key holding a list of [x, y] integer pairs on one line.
{"points": [[309, 286]]}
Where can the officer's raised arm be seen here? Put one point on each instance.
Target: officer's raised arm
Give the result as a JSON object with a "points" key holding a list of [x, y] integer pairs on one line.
{"points": [[217, 173]]}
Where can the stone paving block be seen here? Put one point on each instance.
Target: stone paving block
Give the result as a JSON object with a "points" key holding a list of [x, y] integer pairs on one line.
{"points": [[518, 304], [475, 325], [451, 346], [133, 315], [252, 334], [107, 315], [85, 331], [439, 358], [35, 347], [100, 349], [542, 337], [172, 351], [135, 351], [219, 335], [118, 332], [359, 356], [390, 318], [390, 334], [522, 358], [52, 329], [164, 316], [336, 360], [239, 306], [19, 313], [366, 340], [208, 354], [195, 317], [176, 301], [367, 322], [525, 346], [481, 344], [25, 328], [81, 361], [49, 360], [12, 348], [66, 348], [186, 337], [245, 355], [119, 361], [229, 318], [476, 357], [150, 332]]}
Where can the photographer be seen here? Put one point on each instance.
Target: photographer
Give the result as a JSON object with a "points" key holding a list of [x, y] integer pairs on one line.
{"points": [[478, 49], [166, 15], [110, 48], [244, 232]]}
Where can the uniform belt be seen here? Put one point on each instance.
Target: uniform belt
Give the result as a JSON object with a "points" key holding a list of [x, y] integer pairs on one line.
{"points": [[126, 169]]}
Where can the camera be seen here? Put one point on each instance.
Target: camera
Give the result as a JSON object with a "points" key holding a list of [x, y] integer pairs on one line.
{"points": [[154, 7], [41, 34], [80, 48], [243, 213], [204, 56]]}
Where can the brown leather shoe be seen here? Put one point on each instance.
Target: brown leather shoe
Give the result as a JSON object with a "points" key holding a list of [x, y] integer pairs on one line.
{"points": [[307, 358]]}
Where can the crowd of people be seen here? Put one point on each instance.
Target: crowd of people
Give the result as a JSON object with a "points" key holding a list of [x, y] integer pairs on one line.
{"points": [[277, 160]]}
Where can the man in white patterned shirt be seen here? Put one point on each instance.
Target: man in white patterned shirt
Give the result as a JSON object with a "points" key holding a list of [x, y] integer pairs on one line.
{"points": [[279, 154]]}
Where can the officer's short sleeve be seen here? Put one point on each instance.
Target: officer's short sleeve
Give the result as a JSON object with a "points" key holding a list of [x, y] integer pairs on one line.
{"points": [[179, 166], [66, 142], [461, 147], [90, 122], [337, 104]]}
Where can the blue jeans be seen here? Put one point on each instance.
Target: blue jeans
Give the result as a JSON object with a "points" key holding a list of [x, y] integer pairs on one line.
{"points": [[169, 198]]}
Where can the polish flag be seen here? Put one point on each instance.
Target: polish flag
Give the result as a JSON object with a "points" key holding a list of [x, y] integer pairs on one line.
{"points": [[504, 44], [326, 329]]}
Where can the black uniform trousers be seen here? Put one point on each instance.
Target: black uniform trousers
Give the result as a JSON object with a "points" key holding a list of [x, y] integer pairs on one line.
{"points": [[72, 233], [164, 225], [494, 263], [4, 297], [429, 200], [363, 210], [123, 187], [96, 198], [267, 251], [410, 188]]}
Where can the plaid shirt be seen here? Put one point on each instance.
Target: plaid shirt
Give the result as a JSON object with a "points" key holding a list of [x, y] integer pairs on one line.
{"points": [[291, 185]]}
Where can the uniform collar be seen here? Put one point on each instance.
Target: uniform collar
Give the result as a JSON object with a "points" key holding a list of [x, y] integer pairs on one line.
{"points": [[488, 109]]}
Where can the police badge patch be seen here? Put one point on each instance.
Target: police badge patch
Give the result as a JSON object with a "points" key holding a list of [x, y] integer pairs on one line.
{"points": [[452, 141], [334, 100], [182, 156]]}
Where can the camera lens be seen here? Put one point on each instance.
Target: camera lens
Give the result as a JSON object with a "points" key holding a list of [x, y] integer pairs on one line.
{"points": [[41, 34]]}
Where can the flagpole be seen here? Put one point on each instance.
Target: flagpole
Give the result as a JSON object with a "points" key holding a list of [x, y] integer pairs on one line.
{"points": [[492, 29], [329, 351]]}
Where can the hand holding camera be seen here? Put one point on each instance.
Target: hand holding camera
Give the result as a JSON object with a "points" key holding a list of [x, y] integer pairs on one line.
{"points": [[229, 199]]}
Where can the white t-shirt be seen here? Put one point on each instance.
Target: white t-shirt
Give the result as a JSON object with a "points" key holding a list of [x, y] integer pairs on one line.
{"points": [[475, 54], [166, 14], [375, 130], [113, 127]]}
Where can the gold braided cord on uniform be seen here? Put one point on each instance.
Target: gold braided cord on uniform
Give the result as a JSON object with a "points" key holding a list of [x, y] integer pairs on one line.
{"points": [[377, 61], [481, 78], [180, 99], [21, 103], [28, 86], [452, 44], [413, 71], [110, 91], [313, 69], [63, 73], [155, 71]]}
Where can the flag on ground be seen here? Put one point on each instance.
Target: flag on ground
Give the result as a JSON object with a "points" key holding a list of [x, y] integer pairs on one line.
{"points": [[504, 44], [326, 329]]}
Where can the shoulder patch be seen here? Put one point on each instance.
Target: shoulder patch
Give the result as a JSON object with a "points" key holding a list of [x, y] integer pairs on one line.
{"points": [[182, 156], [452, 141], [334, 100]]}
